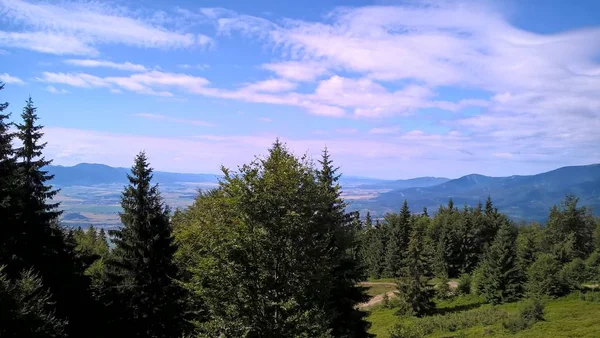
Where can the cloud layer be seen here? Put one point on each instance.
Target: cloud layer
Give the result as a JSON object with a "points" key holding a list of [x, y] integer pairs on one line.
{"points": [[78, 27], [490, 91]]}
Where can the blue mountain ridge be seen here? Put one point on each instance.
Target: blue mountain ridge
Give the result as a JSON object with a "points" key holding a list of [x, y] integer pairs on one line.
{"points": [[527, 197]]}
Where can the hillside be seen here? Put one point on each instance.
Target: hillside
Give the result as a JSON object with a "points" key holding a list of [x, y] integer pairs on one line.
{"points": [[521, 197], [89, 174], [87, 186]]}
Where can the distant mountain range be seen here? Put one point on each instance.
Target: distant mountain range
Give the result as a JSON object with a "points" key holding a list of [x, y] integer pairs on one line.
{"points": [[88, 174], [521, 197]]}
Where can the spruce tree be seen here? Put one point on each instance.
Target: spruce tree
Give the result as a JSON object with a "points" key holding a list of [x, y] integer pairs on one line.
{"points": [[37, 242], [140, 273], [501, 279], [413, 288], [570, 230], [7, 186], [346, 269], [368, 221], [399, 231], [27, 308], [375, 250]]}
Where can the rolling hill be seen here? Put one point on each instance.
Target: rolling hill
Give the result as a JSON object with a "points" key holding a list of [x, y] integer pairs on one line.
{"points": [[521, 197], [94, 189], [89, 174]]}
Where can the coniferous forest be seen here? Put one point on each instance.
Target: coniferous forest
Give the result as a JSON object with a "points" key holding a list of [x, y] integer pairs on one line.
{"points": [[272, 252]]}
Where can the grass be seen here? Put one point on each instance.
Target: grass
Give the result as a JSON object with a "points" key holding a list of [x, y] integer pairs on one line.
{"points": [[374, 290], [382, 280], [564, 317]]}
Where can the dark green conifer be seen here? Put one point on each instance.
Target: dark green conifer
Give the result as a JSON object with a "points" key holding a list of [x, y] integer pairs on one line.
{"points": [[7, 186], [345, 294], [501, 279], [413, 288], [399, 227], [140, 273]]}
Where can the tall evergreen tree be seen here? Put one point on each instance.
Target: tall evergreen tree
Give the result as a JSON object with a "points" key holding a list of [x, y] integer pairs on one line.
{"points": [[413, 288], [38, 243], [7, 186], [570, 231], [501, 277], [346, 269], [141, 272], [399, 226], [375, 249], [368, 221]]}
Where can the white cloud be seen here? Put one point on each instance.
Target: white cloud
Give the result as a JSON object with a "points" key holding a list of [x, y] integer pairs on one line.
{"points": [[128, 66], [270, 86], [55, 90], [202, 66], [161, 117], [151, 83], [78, 27], [6, 78], [296, 71], [385, 130], [51, 43], [265, 119]]}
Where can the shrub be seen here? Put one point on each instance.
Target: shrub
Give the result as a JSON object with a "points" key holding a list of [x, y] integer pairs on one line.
{"points": [[402, 330], [592, 264], [450, 322], [443, 290], [543, 277], [573, 274], [476, 281], [464, 284], [530, 314]]}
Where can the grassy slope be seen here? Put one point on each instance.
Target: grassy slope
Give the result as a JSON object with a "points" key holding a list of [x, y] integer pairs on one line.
{"points": [[565, 317]]}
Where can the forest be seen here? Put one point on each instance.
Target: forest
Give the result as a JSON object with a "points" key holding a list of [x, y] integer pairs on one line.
{"points": [[272, 252]]}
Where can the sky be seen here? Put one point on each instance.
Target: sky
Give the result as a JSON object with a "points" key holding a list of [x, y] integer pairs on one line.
{"points": [[393, 89]]}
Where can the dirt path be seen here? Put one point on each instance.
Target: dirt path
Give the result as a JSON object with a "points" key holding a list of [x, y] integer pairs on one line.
{"points": [[375, 300], [379, 298]]}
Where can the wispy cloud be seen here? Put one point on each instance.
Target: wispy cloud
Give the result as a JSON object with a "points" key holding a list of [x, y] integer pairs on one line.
{"points": [[6, 78], [54, 90], [128, 66], [270, 86], [166, 118], [385, 130], [151, 83], [79, 27], [265, 119], [202, 66]]}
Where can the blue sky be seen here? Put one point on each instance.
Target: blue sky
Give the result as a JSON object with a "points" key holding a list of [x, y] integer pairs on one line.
{"points": [[394, 89]]}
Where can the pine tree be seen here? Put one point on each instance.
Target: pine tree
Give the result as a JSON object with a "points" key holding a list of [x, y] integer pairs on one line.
{"points": [[368, 221], [467, 242], [345, 319], [412, 285], [375, 249], [399, 230], [501, 277], [27, 309], [570, 231], [141, 271], [39, 242], [7, 186]]}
